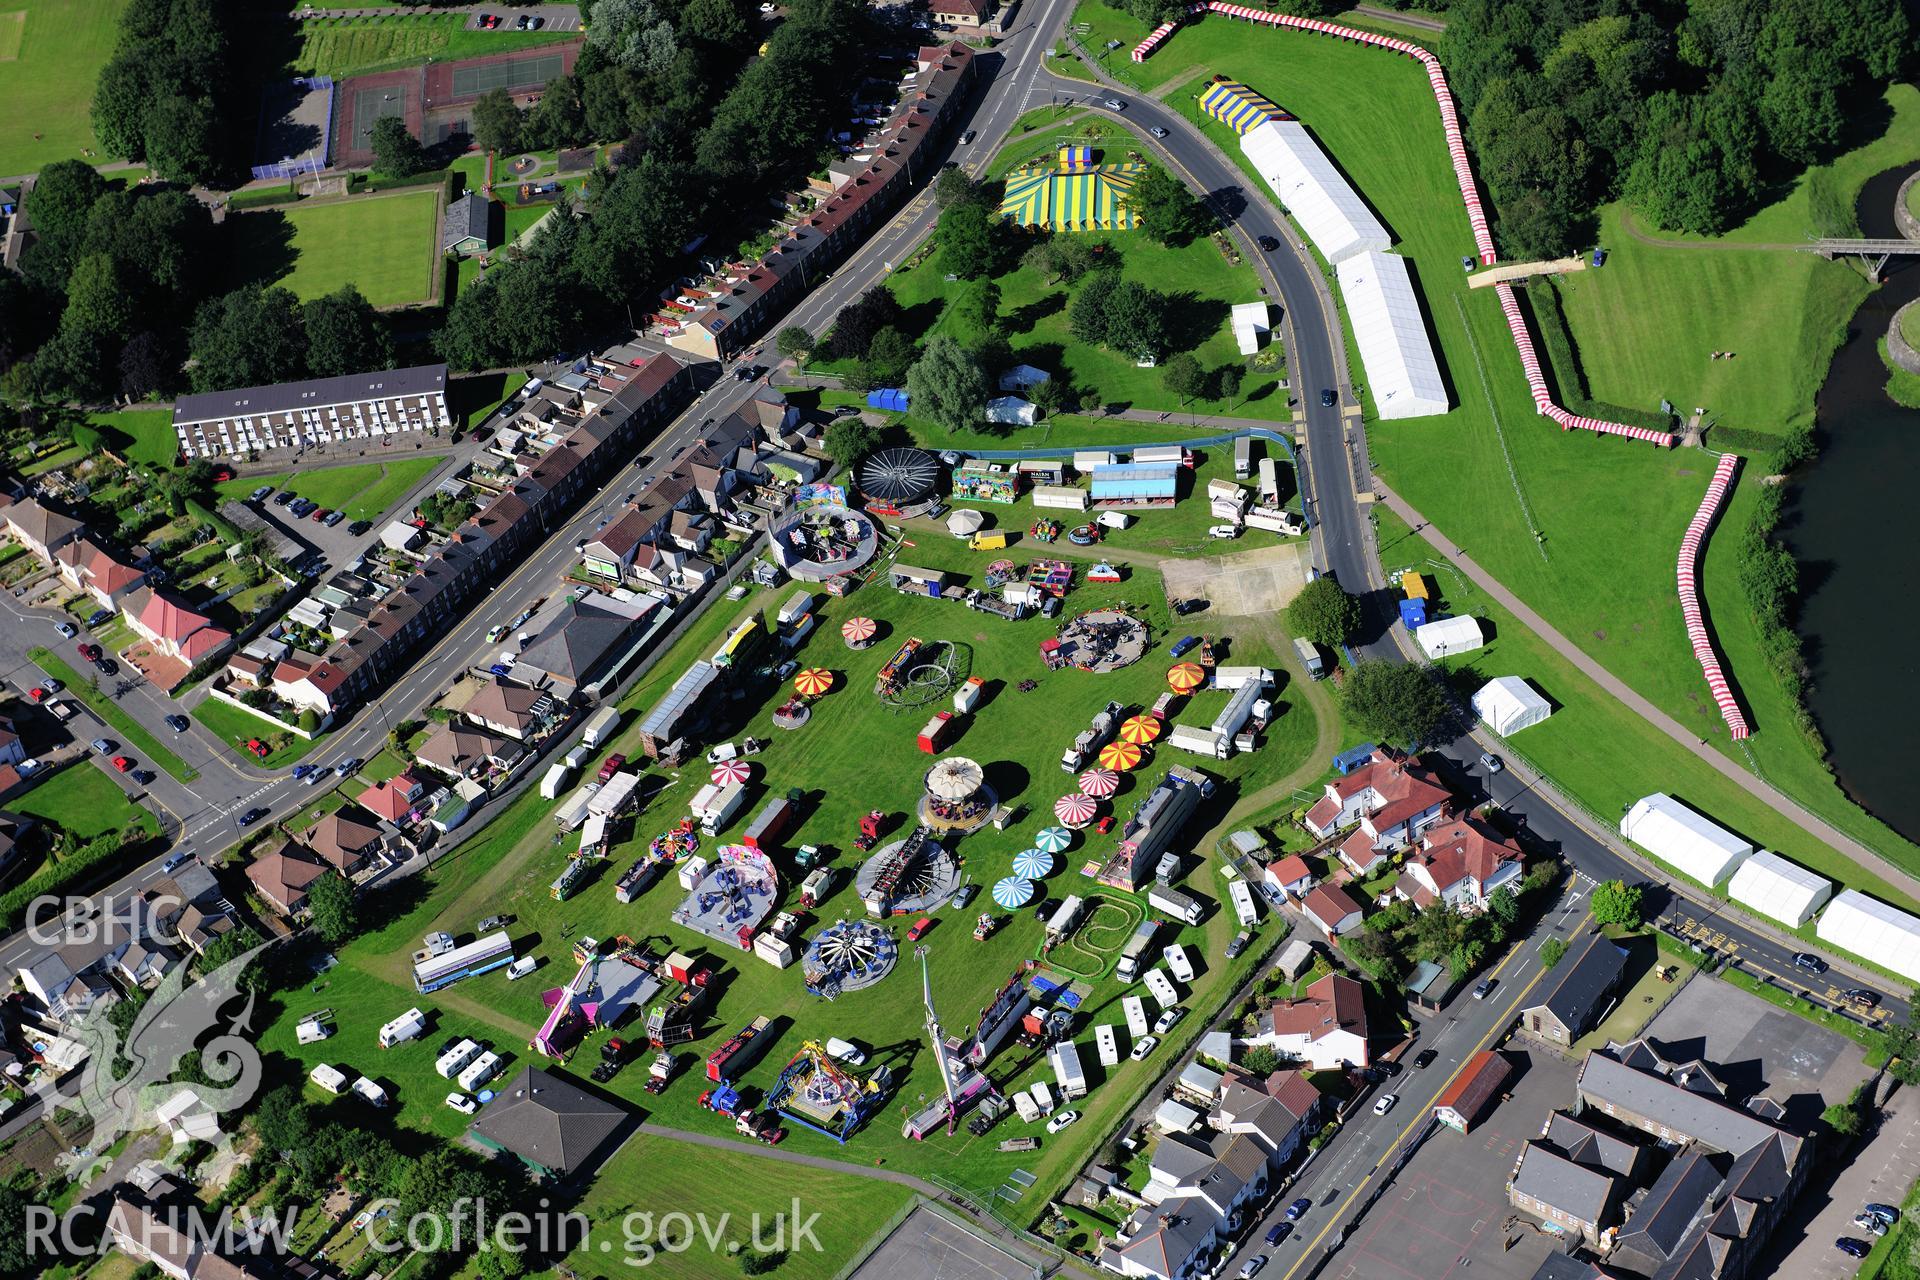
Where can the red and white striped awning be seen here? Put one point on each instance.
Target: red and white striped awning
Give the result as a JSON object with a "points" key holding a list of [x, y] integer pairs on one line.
{"points": [[1689, 570]]}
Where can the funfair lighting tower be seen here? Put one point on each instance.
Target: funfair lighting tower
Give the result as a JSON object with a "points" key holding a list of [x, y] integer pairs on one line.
{"points": [[939, 1040]]}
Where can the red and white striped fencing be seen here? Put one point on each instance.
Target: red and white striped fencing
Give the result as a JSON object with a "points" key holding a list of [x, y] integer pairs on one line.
{"points": [[1688, 574], [1469, 194], [1537, 382]]}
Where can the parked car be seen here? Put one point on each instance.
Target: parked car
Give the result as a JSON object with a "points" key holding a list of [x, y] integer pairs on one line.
{"points": [[99, 616], [1485, 988], [493, 922], [1384, 1103], [106, 666], [1183, 644], [1251, 1267], [1425, 1058], [1192, 604], [334, 519], [1852, 1248], [462, 1103], [257, 749], [1870, 1224], [348, 767], [1223, 531], [1169, 1019], [1298, 1209], [920, 928], [359, 527], [103, 745], [1061, 1121], [488, 21], [1278, 1231], [1146, 1046], [1326, 398], [91, 652], [301, 770], [320, 514], [1808, 961], [1491, 762], [283, 497], [51, 685], [122, 763], [177, 723], [1238, 945], [66, 629], [1885, 1211], [1862, 996], [143, 776], [964, 895]]}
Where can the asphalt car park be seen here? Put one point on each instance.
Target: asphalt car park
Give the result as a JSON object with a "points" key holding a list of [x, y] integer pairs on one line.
{"points": [[553, 17]]}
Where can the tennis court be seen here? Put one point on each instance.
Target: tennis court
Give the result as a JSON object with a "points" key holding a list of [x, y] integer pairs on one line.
{"points": [[526, 73], [370, 106]]}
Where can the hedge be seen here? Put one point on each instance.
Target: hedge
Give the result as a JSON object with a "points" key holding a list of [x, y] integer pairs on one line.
{"points": [[69, 874], [265, 196], [1568, 375]]}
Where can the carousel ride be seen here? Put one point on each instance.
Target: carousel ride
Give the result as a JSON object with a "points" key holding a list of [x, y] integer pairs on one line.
{"points": [[732, 896], [850, 955], [955, 796], [1103, 640], [823, 541], [908, 877]]}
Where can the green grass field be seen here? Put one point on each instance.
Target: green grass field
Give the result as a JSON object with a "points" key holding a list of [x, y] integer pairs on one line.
{"points": [[84, 801], [1609, 514], [364, 490], [856, 754], [51, 52], [234, 727], [355, 46], [138, 740], [382, 244], [141, 435]]}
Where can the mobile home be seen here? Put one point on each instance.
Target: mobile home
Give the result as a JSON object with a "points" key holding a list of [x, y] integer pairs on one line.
{"points": [[408, 1026], [1243, 906], [1106, 1044], [1178, 963], [1136, 1011], [1163, 993], [1067, 1071]]}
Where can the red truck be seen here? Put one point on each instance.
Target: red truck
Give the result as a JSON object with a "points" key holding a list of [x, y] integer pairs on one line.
{"points": [[612, 765]]}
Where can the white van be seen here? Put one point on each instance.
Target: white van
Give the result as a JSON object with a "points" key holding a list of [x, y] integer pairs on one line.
{"points": [[1179, 963], [851, 1054], [1043, 1097], [521, 968]]}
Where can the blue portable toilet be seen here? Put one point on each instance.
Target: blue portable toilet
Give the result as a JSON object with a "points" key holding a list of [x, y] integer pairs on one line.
{"points": [[892, 399], [1413, 613]]}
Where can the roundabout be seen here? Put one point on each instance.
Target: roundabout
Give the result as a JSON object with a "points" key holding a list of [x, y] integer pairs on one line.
{"points": [[956, 796]]}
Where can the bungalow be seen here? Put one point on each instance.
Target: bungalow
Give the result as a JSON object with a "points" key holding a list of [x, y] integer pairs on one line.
{"points": [[466, 229], [255, 673], [1392, 800], [455, 751], [41, 530], [173, 628], [285, 876], [392, 800], [1291, 874], [1332, 909], [346, 840], [1582, 988], [511, 709], [1460, 863], [1326, 1028]]}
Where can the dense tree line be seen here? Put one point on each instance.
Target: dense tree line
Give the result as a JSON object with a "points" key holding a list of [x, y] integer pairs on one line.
{"points": [[170, 95], [1689, 112], [686, 162]]}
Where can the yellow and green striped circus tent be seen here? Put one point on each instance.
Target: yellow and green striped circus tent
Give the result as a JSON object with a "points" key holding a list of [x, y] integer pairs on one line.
{"points": [[1094, 200], [1238, 107]]}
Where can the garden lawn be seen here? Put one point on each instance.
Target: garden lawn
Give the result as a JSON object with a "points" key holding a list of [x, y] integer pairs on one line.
{"points": [[341, 47], [51, 52], [132, 733], [653, 1176], [84, 802], [141, 435], [382, 244], [234, 726], [471, 398], [854, 755], [364, 490], [1585, 529]]}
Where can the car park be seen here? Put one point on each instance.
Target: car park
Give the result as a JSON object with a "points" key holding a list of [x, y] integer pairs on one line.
{"points": [[1146, 1046], [177, 723], [1384, 1103], [66, 629], [1061, 1121], [1425, 1058], [1808, 961]]}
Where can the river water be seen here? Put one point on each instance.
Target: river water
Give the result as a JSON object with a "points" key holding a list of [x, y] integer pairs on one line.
{"points": [[1851, 521]]}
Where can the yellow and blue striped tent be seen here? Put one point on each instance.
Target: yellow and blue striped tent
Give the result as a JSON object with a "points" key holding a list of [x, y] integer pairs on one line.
{"points": [[1095, 200], [1075, 159], [1238, 107]]}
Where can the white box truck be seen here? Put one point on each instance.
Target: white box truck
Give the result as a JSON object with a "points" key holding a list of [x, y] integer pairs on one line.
{"points": [[1243, 907], [555, 778], [1174, 903], [407, 1026], [1178, 963], [1163, 993], [601, 726], [1107, 1045], [1133, 955], [1136, 1011], [1067, 1071]]}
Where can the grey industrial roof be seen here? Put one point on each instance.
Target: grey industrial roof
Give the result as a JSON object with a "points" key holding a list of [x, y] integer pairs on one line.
{"points": [[1691, 1115], [1590, 1146], [576, 642], [1586, 977], [691, 686], [315, 393], [1554, 1180]]}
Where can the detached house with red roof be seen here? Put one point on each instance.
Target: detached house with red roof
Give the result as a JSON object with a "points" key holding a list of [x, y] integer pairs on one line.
{"points": [[1326, 1028], [1290, 874], [1460, 863], [172, 628], [1332, 909], [1390, 803], [310, 683], [393, 800], [87, 566]]}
